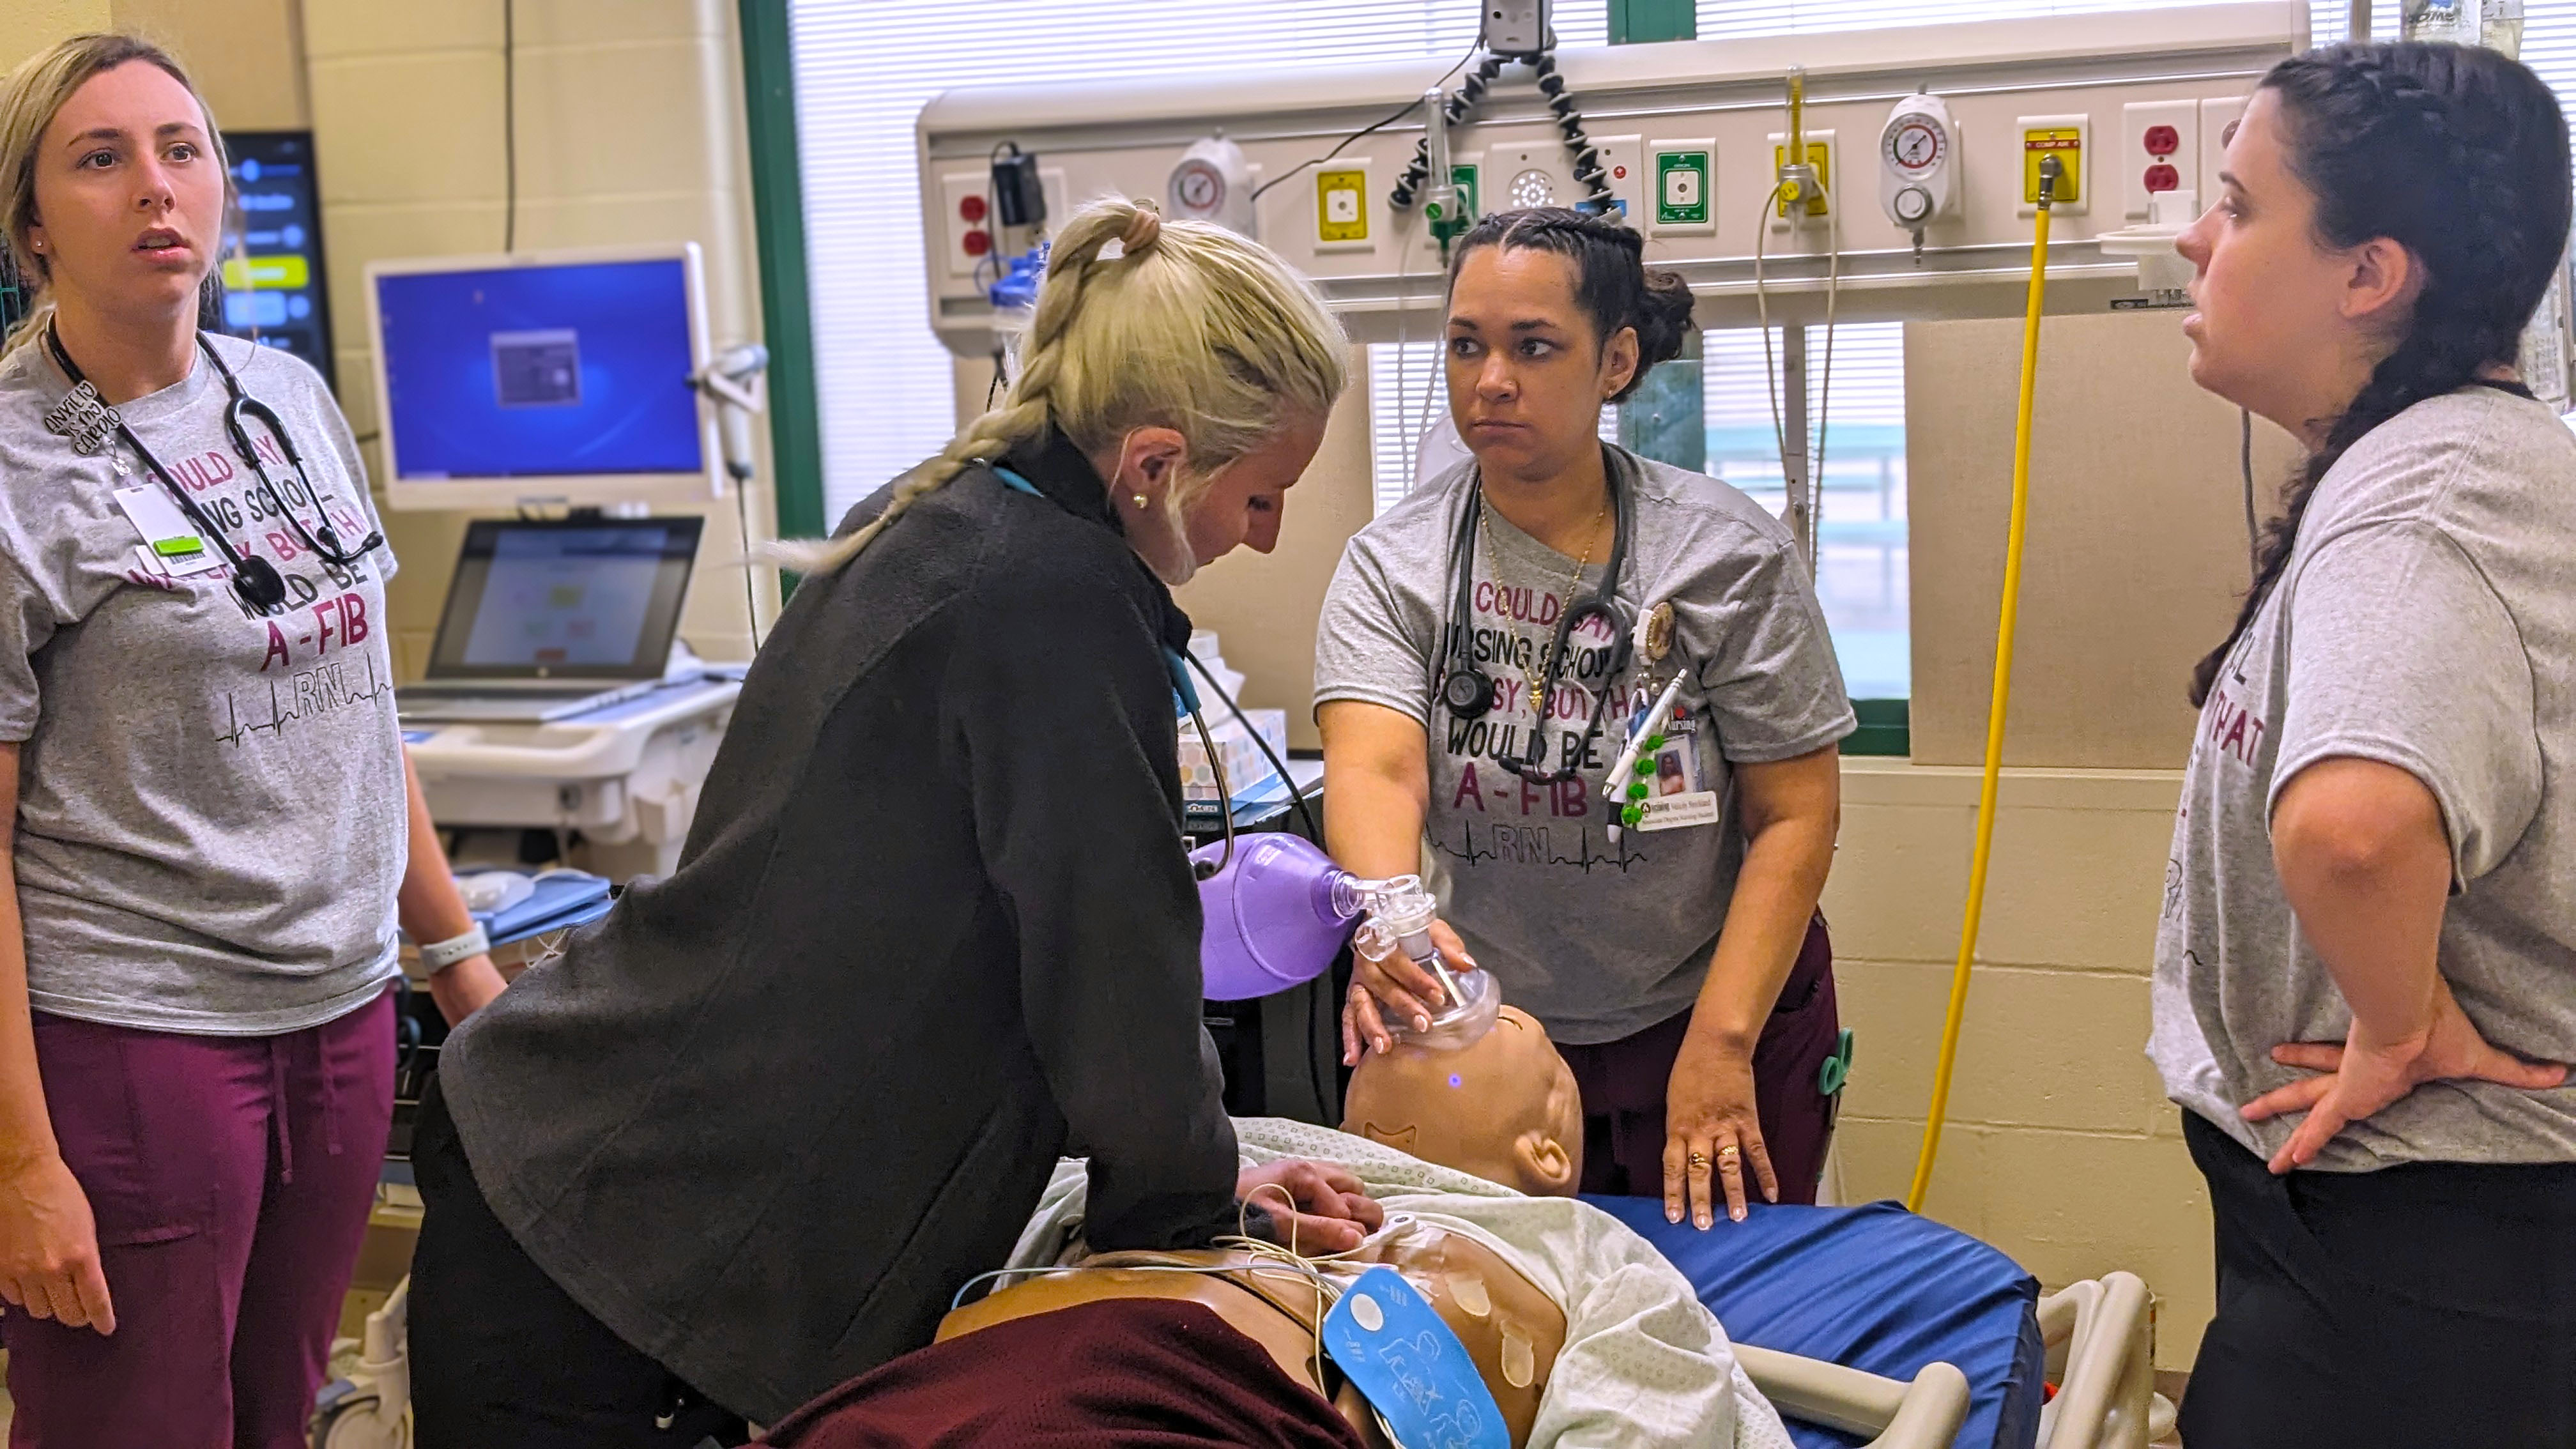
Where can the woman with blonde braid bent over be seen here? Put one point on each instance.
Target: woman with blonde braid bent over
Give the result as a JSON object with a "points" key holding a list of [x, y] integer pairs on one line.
{"points": [[933, 925]]}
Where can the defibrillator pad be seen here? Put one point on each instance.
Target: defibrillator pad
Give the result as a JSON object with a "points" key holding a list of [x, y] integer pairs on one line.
{"points": [[1411, 1367]]}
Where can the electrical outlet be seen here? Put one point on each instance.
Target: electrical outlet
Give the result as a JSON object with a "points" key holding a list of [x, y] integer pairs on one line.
{"points": [[2069, 139], [966, 220], [1820, 155], [2159, 153]]}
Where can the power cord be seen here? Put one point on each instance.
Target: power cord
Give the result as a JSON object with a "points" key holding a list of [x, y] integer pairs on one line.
{"points": [[1401, 112], [750, 586], [510, 125]]}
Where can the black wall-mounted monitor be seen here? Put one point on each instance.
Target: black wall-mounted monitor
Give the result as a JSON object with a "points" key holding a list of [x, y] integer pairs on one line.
{"points": [[274, 288]]}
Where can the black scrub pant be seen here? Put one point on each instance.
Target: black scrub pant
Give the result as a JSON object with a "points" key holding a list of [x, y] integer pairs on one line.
{"points": [[2428, 1306], [500, 1356]]}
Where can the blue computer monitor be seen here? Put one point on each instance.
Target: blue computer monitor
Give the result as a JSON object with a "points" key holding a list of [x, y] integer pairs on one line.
{"points": [[542, 376]]}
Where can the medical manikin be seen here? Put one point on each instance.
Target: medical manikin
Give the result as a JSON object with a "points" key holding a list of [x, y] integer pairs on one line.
{"points": [[1504, 1108]]}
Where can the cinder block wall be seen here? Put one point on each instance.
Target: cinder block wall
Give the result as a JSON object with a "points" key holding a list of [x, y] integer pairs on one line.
{"points": [[2060, 1149], [630, 130]]}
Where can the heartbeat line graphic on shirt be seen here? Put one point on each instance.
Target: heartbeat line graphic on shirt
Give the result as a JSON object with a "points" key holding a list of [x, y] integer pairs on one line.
{"points": [[321, 690], [1529, 845]]}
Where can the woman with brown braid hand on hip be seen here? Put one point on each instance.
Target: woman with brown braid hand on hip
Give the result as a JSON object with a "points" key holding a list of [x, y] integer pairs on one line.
{"points": [[2366, 973]]}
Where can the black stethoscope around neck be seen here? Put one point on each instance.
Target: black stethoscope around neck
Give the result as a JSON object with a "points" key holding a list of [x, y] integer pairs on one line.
{"points": [[255, 579], [1468, 692]]}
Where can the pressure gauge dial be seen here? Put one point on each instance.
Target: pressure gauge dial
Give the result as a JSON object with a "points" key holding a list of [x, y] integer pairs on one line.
{"points": [[1212, 182], [1918, 164], [1198, 188], [1915, 145]]}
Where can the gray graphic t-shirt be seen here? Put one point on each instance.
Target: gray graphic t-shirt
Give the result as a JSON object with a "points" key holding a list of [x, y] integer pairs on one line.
{"points": [[1597, 939], [2426, 620], [211, 811]]}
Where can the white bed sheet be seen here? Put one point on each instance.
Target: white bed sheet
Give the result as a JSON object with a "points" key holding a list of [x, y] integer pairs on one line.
{"points": [[1643, 1365]]}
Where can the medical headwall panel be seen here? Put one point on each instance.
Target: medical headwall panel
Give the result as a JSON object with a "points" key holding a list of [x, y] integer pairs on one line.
{"points": [[1689, 132]]}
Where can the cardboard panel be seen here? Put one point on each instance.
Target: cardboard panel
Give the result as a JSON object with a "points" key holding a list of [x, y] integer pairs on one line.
{"points": [[2136, 552]]}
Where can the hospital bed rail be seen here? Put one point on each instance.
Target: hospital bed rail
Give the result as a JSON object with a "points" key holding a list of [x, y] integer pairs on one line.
{"points": [[2100, 1353]]}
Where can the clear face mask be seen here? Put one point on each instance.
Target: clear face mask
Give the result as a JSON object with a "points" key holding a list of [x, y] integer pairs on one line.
{"points": [[1400, 912]]}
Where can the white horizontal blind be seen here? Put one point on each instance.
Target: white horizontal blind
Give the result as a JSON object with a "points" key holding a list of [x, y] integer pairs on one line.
{"points": [[1861, 564], [865, 68], [1401, 380], [1723, 19]]}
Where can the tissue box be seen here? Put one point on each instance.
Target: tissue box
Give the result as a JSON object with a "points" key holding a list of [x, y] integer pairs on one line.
{"points": [[1246, 769]]}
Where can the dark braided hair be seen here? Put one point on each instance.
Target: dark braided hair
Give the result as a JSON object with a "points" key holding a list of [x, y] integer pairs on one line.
{"points": [[1611, 283], [2457, 154]]}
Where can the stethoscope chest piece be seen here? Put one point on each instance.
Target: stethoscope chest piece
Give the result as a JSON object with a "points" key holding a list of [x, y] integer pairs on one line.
{"points": [[1468, 692], [258, 582]]}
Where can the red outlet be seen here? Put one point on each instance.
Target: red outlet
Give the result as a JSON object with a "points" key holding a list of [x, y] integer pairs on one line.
{"points": [[2161, 177], [977, 243], [2163, 141], [972, 207]]}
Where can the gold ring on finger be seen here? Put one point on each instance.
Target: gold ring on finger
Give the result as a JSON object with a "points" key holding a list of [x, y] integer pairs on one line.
{"points": [[1699, 1159], [1727, 1153]]}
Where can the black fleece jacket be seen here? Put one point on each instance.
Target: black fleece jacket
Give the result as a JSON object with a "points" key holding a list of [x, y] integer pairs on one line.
{"points": [[932, 927]]}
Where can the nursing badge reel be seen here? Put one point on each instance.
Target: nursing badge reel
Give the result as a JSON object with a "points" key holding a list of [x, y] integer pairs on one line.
{"points": [[1657, 783], [1411, 1367]]}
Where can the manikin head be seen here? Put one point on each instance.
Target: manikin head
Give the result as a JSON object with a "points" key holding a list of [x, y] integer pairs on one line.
{"points": [[1505, 1108]]}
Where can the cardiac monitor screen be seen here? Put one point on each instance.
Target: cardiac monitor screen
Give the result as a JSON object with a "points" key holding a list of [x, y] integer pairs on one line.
{"points": [[563, 370], [567, 598]]}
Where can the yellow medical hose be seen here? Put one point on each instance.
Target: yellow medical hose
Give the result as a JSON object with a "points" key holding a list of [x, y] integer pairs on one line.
{"points": [[1976, 910]]}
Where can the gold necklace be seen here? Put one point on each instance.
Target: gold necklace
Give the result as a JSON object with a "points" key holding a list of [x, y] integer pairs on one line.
{"points": [[1536, 673]]}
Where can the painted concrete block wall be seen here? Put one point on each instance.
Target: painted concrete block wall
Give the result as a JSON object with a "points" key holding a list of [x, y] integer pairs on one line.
{"points": [[2060, 1149], [35, 24], [629, 130]]}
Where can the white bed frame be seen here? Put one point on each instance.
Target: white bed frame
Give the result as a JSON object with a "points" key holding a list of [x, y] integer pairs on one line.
{"points": [[2100, 1353]]}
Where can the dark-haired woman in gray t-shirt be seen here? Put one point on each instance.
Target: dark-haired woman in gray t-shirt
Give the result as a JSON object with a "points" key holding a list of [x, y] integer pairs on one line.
{"points": [[1675, 956], [2366, 972]]}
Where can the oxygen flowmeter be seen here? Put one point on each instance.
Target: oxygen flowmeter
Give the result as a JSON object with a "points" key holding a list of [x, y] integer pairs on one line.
{"points": [[1918, 171], [1440, 197]]}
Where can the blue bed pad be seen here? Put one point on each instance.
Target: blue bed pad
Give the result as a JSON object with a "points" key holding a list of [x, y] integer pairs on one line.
{"points": [[1874, 1288]]}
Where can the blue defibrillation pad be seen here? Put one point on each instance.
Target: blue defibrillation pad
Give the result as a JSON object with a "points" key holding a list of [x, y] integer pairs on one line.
{"points": [[1391, 1344]]}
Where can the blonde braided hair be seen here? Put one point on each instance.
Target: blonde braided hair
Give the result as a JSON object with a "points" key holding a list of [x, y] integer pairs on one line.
{"points": [[1187, 326]]}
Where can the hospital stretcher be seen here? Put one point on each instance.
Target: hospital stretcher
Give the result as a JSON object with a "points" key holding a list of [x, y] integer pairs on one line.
{"points": [[1863, 1326], [1871, 1326]]}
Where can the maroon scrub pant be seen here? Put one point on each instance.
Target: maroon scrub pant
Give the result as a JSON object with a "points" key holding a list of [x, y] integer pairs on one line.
{"points": [[231, 1178], [1624, 1082]]}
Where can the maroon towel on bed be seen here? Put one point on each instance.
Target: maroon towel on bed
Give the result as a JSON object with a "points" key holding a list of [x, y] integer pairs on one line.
{"points": [[1151, 1372]]}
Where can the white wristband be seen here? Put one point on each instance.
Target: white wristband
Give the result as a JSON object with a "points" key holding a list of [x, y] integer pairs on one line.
{"points": [[443, 954]]}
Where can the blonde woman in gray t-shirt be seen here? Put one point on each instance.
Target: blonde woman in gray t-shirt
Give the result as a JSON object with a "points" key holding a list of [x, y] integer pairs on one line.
{"points": [[1484, 651], [2366, 970], [211, 832]]}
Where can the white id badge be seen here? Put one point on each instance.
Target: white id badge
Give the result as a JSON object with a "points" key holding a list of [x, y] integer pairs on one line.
{"points": [[1677, 795], [1676, 812], [167, 534]]}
